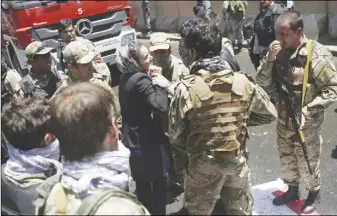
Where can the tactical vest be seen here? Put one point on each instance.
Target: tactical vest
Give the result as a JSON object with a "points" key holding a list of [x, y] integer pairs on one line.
{"points": [[89, 205], [30, 89], [219, 115], [16, 200], [264, 26]]}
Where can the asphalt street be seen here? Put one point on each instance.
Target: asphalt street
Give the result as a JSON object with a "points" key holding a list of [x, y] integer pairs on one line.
{"points": [[264, 157]]}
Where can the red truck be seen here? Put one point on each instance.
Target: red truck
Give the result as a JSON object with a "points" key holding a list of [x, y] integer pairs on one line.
{"points": [[106, 23]]}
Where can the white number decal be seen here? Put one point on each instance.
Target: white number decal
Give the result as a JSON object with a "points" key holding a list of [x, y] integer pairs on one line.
{"points": [[79, 11]]}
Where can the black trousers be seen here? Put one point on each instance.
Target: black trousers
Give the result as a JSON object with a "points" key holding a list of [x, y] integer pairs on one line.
{"points": [[152, 195]]}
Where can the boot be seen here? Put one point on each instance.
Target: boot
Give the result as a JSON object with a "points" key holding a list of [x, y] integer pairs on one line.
{"points": [[312, 201], [291, 194]]}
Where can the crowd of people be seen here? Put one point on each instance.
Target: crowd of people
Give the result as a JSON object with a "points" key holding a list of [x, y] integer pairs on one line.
{"points": [[177, 122]]}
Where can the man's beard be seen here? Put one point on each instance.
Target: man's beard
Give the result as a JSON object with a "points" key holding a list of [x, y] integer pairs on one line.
{"points": [[163, 62]]}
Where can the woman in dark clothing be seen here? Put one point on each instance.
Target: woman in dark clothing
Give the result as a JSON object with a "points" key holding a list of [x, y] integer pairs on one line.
{"points": [[140, 101]]}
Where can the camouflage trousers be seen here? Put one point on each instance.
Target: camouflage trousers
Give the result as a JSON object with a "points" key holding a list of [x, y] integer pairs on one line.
{"points": [[293, 163], [235, 30], [222, 175], [180, 163], [102, 68]]}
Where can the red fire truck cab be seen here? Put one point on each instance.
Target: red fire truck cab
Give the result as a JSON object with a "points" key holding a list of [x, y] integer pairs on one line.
{"points": [[106, 23]]}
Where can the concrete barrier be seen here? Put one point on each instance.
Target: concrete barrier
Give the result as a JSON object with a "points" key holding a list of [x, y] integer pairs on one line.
{"points": [[169, 15], [167, 24]]}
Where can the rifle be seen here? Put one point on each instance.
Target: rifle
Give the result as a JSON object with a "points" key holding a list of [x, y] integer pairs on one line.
{"points": [[61, 65], [290, 106]]}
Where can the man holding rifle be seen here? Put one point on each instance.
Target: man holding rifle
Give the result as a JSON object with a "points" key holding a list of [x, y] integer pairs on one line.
{"points": [[302, 76]]}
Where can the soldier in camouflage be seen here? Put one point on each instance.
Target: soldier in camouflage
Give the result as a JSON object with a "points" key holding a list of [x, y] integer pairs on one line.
{"points": [[68, 34], [78, 58], [208, 119], [290, 52], [173, 69], [40, 81], [234, 15]]}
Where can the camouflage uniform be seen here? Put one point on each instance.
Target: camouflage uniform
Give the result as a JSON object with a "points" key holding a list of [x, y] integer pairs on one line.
{"points": [[174, 71], [321, 92], [234, 26], [53, 199], [174, 74], [81, 53], [208, 117], [38, 84], [100, 66]]}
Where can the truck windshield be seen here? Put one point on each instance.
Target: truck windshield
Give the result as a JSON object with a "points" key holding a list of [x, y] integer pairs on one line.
{"points": [[18, 5]]}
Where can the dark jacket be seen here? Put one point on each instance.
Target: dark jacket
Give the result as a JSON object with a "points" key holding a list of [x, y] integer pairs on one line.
{"points": [[142, 133]]}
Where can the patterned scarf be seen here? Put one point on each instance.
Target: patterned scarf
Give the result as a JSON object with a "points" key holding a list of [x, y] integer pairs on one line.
{"points": [[107, 169], [126, 59], [212, 65], [34, 161]]}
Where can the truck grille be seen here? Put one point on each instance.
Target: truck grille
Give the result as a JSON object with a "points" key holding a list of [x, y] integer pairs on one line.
{"points": [[104, 25]]}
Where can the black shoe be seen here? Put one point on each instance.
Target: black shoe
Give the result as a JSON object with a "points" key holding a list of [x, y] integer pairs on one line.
{"points": [[312, 201], [291, 194]]}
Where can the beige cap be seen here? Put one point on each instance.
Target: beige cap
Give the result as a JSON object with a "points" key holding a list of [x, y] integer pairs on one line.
{"points": [[159, 41], [36, 48], [79, 52]]}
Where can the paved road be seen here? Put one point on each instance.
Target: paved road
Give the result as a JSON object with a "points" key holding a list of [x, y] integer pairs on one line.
{"points": [[264, 158]]}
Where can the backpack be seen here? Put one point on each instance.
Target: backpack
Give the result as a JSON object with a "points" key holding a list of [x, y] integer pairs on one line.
{"points": [[89, 205], [237, 10]]}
